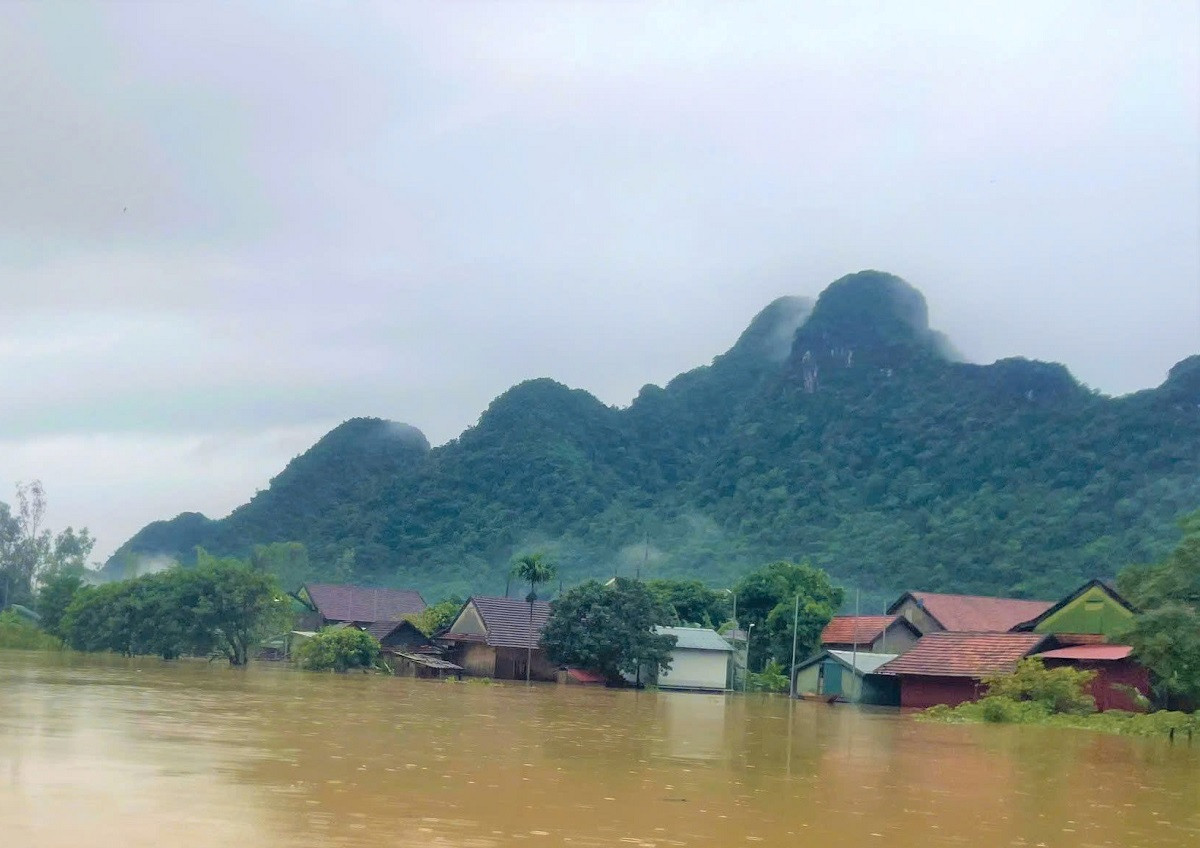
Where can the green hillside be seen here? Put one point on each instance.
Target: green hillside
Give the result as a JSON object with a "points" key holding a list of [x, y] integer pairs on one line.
{"points": [[844, 431]]}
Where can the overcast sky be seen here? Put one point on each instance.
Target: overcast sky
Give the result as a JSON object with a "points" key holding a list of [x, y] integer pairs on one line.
{"points": [[226, 227]]}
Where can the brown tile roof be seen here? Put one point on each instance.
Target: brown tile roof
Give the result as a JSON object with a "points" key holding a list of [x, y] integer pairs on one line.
{"points": [[957, 654], [851, 629], [506, 621], [356, 603], [974, 613], [382, 629]]}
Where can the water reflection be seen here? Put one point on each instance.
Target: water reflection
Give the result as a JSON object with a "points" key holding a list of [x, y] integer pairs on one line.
{"points": [[132, 753]]}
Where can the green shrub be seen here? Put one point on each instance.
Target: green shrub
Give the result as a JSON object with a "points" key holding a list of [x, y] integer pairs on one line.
{"points": [[1058, 690], [770, 679], [338, 650]]}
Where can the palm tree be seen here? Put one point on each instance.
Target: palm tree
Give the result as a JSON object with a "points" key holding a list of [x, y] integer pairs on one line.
{"points": [[535, 570]]}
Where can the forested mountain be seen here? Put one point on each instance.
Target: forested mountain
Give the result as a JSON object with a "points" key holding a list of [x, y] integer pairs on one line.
{"points": [[844, 431]]}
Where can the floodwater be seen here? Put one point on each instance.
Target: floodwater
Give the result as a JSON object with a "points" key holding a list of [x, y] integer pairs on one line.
{"points": [[110, 752]]}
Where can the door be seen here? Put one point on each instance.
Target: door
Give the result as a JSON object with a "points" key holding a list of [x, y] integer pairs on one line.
{"points": [[831, 680]]}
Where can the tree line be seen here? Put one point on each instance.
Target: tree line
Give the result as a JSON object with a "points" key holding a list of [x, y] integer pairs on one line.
{"points": [[220, 608]]}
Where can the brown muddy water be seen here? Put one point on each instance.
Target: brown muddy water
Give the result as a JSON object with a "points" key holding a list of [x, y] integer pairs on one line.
{"points": [[110, 752]]}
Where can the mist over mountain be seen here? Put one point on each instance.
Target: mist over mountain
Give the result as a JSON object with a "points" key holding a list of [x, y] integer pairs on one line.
{"points": [[845, 431]]}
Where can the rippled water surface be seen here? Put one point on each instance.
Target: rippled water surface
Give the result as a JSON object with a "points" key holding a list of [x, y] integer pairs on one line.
{"points": [[109, 752]]}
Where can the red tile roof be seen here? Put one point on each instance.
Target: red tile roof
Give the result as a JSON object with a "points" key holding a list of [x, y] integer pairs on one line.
{"points": [[974, 613], [955, 654], [582, 675], [1099, 653], [357, 603], [851, 629], [507, 622]]}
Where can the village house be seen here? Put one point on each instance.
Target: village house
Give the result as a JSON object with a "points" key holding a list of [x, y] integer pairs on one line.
{"points": [[700, 661], [875, 634], [948, 667], [326, 604], [410, 652], [1085, 625], [491, 637], [836, 675], [932, 612]]}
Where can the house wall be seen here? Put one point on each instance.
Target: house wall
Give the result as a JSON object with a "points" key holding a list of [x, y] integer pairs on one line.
{"points": [[696, 669], [808, 679], [476, 660], [896, 639], [1109, 675], [880, 690], [469, 621], [510, 665], [1095, 611], [919, 692], [916, 616]]}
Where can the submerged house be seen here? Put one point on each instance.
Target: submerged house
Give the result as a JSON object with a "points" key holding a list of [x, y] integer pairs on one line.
{"points": [[491, 637], [948, 667], [326, 604], [700, 660], [837, 675], [874, 634], [1088, 625]]}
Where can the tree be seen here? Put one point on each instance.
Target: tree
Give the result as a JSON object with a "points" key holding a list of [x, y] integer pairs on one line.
{"points": [[436, 618], [53, 598], [609, 629], [30, 553], [235, 607], [690, 601], [338, 650], [766, 599], [535, 570], [221, 607], [1166, 633]]}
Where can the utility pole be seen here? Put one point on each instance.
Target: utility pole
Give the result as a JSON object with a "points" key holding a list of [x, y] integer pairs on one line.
{"points": [[854, 654], [746, 675], [792, 667]]}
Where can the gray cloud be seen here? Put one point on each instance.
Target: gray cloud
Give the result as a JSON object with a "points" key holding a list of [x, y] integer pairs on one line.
{"points": [[223, 221]]}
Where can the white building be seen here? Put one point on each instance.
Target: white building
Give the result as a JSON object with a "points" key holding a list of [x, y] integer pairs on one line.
{"points": [[700, 660]]}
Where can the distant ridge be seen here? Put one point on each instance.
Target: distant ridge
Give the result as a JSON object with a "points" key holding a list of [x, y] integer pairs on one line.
{"points": [[846, 431]]}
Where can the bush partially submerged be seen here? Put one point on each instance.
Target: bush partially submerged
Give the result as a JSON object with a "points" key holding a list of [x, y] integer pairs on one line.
{"points": [[1055, 690], [1034, 694], [338, 650]]}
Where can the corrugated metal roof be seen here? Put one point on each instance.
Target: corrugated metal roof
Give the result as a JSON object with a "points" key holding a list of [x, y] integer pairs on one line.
{"points": [[952, 654], [357, 603], [507, 621], [1090, 652], [975, 613], [582, 675], [429, 661], [849, 629], [863, 662], [696, 638]]}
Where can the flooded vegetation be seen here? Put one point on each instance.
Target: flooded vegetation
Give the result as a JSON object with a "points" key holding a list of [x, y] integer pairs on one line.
{"points": [[106, 751]]}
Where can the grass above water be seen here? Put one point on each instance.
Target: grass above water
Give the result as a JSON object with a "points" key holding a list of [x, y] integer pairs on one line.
{"points": [[18, 634], [997, 709]]}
